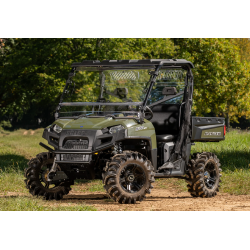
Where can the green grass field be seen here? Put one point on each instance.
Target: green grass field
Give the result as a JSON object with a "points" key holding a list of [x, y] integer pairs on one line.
{"points": [[234, 155], [16, 148]]}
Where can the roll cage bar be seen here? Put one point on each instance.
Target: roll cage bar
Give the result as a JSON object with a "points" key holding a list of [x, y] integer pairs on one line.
{"points": [[134, 63]]}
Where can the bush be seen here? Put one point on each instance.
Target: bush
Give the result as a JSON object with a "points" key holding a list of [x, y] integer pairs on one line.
{"points": [[5, 125]]}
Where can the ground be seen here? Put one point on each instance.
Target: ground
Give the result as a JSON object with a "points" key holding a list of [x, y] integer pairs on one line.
{"points": [[169, 198], [17, 147], [165, 200]]}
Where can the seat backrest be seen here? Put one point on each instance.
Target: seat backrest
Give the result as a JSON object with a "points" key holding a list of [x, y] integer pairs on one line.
{"points": [[166, 118]]}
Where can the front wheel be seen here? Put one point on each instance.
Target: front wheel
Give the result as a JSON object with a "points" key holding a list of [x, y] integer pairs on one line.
{"points": [[36, 178], [204, 175], [128, 177]]}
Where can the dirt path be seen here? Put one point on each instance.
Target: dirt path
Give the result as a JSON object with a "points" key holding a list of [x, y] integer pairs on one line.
{"points": [[158, 200], [164, 200]]}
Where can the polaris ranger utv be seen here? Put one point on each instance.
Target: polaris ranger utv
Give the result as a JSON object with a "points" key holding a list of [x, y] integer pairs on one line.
{"points": [[134, 125]]}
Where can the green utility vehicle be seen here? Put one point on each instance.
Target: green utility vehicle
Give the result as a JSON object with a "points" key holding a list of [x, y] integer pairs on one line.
{"points": [[134, 125]]}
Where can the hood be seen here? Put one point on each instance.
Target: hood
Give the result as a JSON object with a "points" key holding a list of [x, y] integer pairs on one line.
{"points": [[94, 123]]}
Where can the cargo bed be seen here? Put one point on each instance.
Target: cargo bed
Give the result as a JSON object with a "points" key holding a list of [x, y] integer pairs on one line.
{"points": [[208, 128]]}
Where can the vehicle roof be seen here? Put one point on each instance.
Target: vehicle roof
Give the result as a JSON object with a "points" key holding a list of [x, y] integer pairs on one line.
{"points": [[134, 63]]}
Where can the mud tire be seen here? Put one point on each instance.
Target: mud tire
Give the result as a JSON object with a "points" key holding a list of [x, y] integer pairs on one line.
{"points": [[197, 186], [113, 171], [33, 179]]}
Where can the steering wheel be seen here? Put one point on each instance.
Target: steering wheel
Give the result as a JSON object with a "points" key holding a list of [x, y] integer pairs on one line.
{"points": [[148, 112]]}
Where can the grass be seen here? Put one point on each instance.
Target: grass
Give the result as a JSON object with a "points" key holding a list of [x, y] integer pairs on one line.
{"points": [[20, 203], [88, 186], [18, 147], [234, 155], [237, 182], [170, 183], [12, 180]]}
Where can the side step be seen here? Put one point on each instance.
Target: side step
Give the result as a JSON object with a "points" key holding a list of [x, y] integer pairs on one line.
{"points": [[164, 175], [172, 169], [171, 165]]}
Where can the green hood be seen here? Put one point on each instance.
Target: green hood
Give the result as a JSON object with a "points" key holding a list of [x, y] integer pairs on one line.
{"points": [[93, 123], [146, 129]]}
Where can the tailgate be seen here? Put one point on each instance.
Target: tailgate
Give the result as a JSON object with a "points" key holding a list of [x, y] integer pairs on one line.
{"points": [[208, 128]]}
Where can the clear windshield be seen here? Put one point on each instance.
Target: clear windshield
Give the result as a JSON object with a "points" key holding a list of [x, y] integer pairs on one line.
{"points": [[168, 78], [119, 92]]}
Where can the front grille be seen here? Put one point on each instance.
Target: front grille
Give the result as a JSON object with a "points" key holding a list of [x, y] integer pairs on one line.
{"points": [[76, 144], [74, 157]]}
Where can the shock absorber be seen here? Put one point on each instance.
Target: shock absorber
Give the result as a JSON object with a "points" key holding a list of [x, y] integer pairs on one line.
{"points": [[117, 148]]}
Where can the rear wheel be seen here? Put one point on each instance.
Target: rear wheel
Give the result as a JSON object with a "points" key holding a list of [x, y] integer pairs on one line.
{"points": [[204, 175], [36, 178], [128, 177]]}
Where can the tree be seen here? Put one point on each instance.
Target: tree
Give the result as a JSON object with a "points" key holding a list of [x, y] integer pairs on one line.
{"points": [[222, 82], [244, 48], [33, 71]]}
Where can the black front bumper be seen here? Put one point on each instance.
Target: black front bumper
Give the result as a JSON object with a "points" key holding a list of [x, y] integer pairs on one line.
{"points": [[97, 141]]}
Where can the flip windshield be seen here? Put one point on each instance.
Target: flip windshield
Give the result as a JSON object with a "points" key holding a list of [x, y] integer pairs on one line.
{"points": [[117, 92]]}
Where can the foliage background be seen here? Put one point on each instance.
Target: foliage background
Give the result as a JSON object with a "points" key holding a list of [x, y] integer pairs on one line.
{"points": [[33, 73]]}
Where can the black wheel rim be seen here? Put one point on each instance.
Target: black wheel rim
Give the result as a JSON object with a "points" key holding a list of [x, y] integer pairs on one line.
{"points": [[132, 178], [43, 177], [210, 175]]}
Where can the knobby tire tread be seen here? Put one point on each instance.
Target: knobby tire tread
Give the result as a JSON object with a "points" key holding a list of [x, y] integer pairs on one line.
{"points": [[195, 176], [111, 178], [33, 184]]}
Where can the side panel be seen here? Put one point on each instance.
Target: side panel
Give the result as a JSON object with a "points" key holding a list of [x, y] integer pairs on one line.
{"points": [[143, 130], [208, 128]]}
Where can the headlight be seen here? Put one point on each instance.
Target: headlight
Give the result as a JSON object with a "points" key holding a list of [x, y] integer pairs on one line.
{"points": [[57, 129], [115, 129]]}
